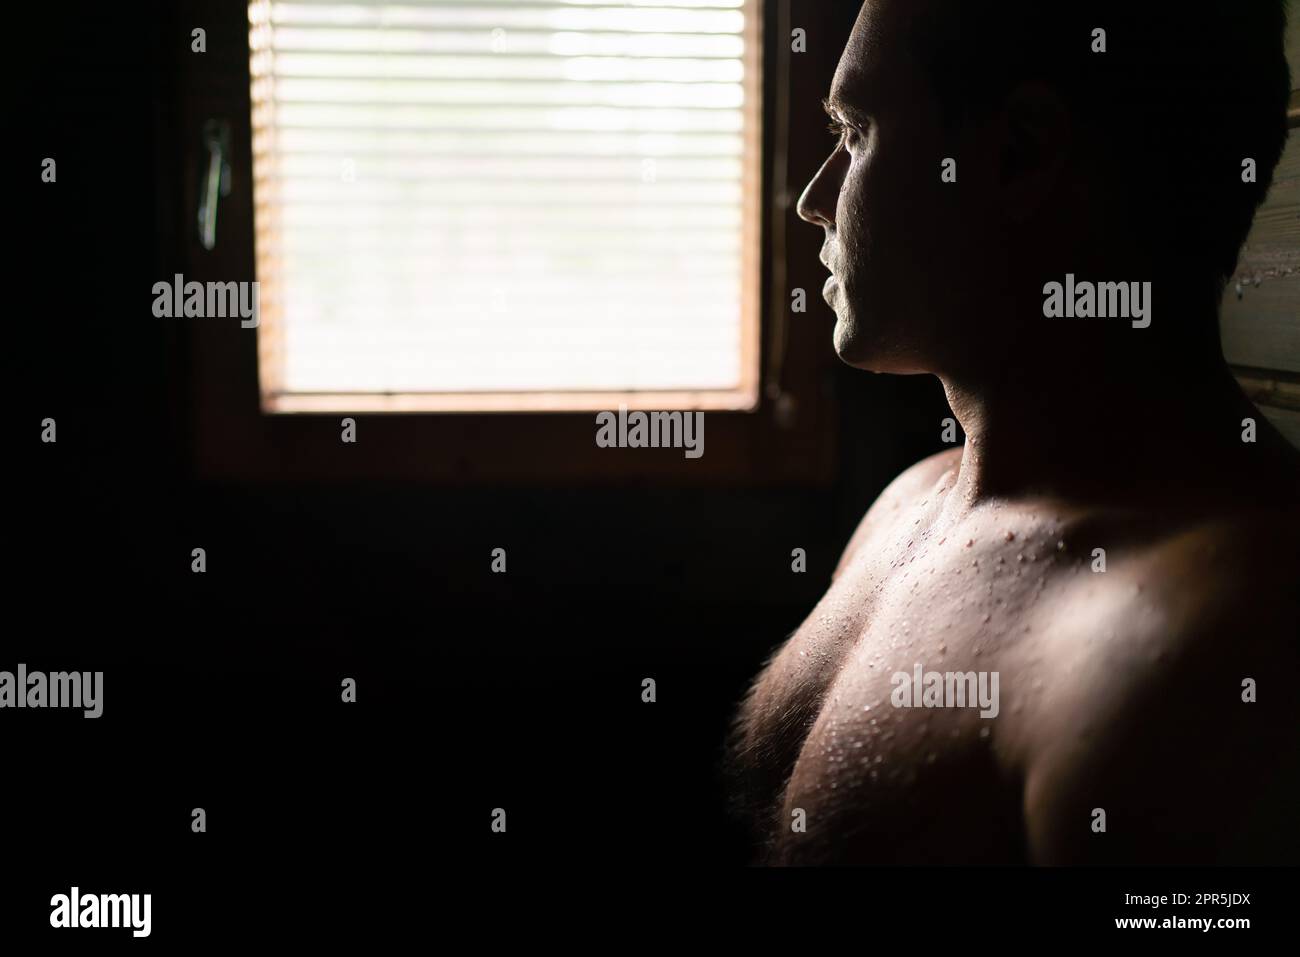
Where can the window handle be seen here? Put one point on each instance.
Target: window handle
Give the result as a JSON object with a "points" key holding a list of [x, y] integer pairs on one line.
{"points": [[216, 179]]}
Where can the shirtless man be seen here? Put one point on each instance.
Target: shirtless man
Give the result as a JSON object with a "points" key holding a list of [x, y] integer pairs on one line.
{"points": [[1106, 541]]}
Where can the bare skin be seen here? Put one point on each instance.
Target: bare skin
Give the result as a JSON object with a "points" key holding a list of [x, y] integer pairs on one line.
{"points": [[1120, 689]]}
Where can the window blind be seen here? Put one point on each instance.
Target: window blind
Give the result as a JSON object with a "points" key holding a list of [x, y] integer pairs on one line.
{"points": [[505, 196]]}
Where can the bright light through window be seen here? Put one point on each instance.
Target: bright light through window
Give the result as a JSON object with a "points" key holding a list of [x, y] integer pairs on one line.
{"points": [[506, 204]]}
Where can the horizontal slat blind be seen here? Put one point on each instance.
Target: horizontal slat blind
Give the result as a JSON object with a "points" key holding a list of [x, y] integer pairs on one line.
{"points": [[503, 195]]}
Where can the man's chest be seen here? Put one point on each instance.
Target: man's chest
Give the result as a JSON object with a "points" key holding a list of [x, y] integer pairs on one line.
{"points": [[895, 682]]}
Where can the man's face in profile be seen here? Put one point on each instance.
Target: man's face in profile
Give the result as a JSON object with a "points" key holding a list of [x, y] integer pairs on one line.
{"points": [[900, 243]]}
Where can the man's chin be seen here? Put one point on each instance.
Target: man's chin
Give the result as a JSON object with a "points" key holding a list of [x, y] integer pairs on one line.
{"points": [[853, 347], [870, 353]]}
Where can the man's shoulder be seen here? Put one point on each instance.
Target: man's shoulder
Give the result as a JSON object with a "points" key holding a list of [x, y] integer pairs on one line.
{"points": [[1194, 564], [1175, 712], [1226, 571], [1189, 598], [919, 476], [908, 488]]}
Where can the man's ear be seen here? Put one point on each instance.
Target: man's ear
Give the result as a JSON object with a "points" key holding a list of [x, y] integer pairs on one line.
{"points": [[1037, 140]]}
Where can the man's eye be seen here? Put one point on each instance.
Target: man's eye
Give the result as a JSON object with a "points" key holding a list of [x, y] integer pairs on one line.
{"points": [[840, 130]]}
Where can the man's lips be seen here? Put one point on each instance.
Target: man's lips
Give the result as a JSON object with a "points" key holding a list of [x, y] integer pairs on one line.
{"points": [[831, 283]]}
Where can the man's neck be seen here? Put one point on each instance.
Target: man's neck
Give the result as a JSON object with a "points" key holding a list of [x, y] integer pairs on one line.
{"points": [[1115, 429]]}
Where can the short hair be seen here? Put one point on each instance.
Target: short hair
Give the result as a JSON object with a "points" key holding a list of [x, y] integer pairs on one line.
{"points": [[1180, 97]]}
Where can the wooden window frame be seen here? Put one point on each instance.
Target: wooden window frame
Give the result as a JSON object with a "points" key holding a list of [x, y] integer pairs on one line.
{"points": [[784, 432]]}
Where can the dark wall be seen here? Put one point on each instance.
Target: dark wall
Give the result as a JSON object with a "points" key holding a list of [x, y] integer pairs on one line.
{"points": [[475, 690]]}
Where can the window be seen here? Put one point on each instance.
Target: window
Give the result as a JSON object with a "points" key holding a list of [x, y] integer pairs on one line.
{"points": [[492, 205], [1260, 324]]}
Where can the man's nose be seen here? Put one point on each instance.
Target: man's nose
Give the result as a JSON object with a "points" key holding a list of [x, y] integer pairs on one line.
{"points": [[817, 204]]}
